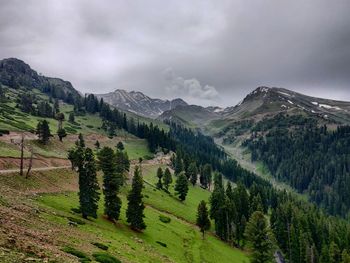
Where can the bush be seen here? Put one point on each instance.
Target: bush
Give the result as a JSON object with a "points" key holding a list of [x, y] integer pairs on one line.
{"points": [[100, 246], [164, 219], [105, 258], [90, 126], [161, 243], [76, 220], [70, 250]]}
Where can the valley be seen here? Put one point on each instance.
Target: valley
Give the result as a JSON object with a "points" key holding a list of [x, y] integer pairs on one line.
{"points": [[235, 174]]}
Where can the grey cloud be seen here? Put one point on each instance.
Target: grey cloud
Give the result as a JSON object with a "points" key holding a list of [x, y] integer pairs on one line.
{"points": [[233, 46]]}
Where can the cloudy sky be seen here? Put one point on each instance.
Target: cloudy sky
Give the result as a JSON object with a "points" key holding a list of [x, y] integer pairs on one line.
{"points": [[207, 52]]}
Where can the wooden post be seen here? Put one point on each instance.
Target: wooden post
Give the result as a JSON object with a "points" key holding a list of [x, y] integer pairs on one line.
{"points": [[30, 162], [22, 155]]}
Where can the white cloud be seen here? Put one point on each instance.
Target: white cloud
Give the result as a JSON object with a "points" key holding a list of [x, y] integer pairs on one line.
{"points": [[190, 89]]}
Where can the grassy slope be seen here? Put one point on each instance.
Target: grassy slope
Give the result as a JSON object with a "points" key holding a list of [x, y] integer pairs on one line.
{"points": [[184, 242]]}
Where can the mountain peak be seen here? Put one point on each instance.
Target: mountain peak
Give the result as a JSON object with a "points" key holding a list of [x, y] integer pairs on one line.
{"points": [[139, 103]]}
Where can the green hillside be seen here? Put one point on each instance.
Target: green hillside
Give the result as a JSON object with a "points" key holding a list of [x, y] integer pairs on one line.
{"points": [[54, 193]]}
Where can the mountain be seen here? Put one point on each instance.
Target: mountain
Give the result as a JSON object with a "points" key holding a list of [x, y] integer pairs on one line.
{"points": [[139, 103], [265, 101], [191, 115], [15, 73]]}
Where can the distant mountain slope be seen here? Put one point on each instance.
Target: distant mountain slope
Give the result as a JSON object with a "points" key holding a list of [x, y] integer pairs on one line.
{"points": [[15, 73], [139, 103], [270, 101], [191, 115]]}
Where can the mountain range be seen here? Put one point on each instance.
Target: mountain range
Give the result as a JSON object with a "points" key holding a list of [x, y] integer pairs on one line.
{"points": [[138, 103]]}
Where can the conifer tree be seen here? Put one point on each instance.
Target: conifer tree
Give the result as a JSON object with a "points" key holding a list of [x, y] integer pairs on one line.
{"points": [[181, 186], [84, 160], [192, 173], [160, 176], [112, 181], [81, 141], [88, 186], [203, 221], [134, 212], [179, 166], [257, 234], [97, 144], [167, 179], [61, 133], [206, 176], [43, 131], [120, 146], [71, 117]]}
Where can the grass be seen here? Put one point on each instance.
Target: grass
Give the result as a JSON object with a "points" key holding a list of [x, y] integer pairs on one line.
{"points": [[182, 239]]}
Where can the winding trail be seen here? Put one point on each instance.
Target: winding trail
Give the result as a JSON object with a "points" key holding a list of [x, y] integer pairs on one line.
{"points": [[10, 171]]}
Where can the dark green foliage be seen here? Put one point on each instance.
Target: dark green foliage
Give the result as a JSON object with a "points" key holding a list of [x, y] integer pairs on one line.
{"points": [[257, 234], [97, 144], [84, 160], [71, 117], [192, 173], [43, 131], [181, 186], [120, 146], [311, 159], [81, 141], [167, 179], [44, 109], [161, 243], [105, 258], [160, 176], [79, 254], [203, 221], [134, 212], [100, 246], [218, 208], [164, 219], [61, 133], [112, 181], [178, 166], [206, 176]]}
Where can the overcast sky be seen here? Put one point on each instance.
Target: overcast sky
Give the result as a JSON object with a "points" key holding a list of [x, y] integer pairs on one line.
{"points": [[207, 52]]}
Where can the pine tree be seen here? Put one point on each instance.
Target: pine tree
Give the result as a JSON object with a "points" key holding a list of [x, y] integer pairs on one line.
{"points": [[203, 217], [206, 176], [160, 176], [218, 208], [88, 186], [179, 166], [43, 131], [192, 173], [134, 212], [181, 186], [257, 234], [83, 159], [345, 257], [97, 144], [120, 146], [112, 181], [61, 133], [71, 117], [167, 179], [81, 141]]}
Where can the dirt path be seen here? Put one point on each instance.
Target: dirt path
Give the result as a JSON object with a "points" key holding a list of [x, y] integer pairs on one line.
{"points": [[9, 171]]}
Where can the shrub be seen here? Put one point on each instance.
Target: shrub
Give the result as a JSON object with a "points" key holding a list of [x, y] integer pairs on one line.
{"points": [[70, 250], [90, 126], [76, 220], [161, 243], [105, 258], [100, 246], [164, 219]]}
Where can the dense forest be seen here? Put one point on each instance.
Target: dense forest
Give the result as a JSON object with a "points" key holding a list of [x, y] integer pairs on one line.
{"points": [[310, 158]]}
